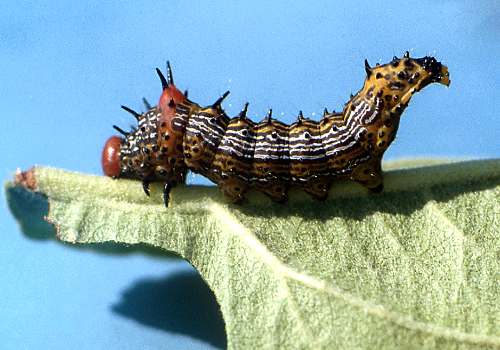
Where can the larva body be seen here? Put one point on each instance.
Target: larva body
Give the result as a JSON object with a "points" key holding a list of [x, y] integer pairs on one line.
{"points": [[179, 135]]}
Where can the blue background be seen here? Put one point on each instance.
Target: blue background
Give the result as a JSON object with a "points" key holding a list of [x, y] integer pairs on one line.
{"points": [[66, 67]]}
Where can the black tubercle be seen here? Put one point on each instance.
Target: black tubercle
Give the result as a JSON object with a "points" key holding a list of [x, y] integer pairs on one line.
{"points": [[166, 194], [269, 117], [170, 77], [243, 112], [131, 111], [300, 118], [145, 187], [368, 69], [219, 101], [146, 103], [164, 83], [124, 133]]}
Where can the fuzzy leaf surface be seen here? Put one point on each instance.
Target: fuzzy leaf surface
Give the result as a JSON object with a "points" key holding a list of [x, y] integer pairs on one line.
{"points": [[415, 267]]}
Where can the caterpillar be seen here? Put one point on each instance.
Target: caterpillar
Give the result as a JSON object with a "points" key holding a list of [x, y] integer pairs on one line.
{"points": [[235, 153]]}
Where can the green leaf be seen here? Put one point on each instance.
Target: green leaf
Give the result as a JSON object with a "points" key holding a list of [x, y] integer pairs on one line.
{"points": [[416, 267]]}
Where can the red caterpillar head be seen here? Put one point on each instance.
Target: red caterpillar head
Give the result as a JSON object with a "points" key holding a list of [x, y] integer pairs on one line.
{"points": [[110, 156], [169, 98]]}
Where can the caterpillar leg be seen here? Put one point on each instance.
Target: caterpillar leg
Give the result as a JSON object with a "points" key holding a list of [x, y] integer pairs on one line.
{"points": [[370, 175], [145, 187], [233, 190], [276, 189], [166, 194], [317, 187]]}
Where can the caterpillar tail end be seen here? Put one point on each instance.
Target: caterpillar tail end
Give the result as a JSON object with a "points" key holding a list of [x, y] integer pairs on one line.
{"points": [[445, 76]]}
